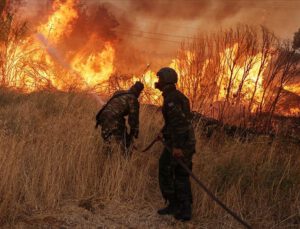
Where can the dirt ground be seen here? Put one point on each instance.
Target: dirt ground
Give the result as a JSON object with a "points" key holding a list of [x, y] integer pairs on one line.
{"points": [[98, 214]]}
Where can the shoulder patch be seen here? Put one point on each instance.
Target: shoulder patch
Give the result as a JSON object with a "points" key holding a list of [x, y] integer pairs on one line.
{"points": [[171, 104]]}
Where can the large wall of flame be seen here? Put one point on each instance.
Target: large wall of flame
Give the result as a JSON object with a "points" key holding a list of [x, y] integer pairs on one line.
{"points": [[126, 21], [91, 40]]}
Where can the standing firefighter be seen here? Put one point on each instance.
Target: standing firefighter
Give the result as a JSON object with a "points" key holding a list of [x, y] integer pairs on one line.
{"points": [[111, 118], [179, 136]]}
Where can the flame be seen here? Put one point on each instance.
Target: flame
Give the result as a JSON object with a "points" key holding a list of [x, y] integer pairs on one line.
{"points": [[295, 111], [294, 88], [250, 85], [44, 64], [235, 78], [96, 67], [247, 84], [150, 78], [59, 24], [84, 69]]}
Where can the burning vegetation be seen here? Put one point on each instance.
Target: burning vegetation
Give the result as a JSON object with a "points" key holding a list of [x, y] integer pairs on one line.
{"points": [[54, 173], [235, 75], [39, 58]]}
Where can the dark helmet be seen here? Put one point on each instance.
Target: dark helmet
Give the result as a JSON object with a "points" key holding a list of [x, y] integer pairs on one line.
{"points": [[137, 88], [167, 75]]}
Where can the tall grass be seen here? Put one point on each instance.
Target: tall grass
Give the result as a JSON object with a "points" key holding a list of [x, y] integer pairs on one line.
{"points": [[50, 152]]}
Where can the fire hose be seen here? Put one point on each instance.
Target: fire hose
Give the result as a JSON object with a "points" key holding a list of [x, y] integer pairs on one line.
{"points": [[199, 182]]}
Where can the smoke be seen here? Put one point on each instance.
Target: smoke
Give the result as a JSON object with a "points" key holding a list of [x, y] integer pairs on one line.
{"points": [[96, 20], [56, 55], [205, 15], [52, 51], [170, 9], [151, 31], [156, 28], [187, 9]]}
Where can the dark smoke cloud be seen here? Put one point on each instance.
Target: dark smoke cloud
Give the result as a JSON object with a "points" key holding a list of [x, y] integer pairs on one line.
{"points": [[93, 20]]}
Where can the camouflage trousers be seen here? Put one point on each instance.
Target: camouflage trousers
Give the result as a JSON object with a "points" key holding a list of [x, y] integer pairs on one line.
{"points": [[174, 181], [114, 141], [111, 145]]}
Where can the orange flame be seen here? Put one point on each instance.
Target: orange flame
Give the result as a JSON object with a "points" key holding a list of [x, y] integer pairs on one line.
{"points": [[253, 81], [93, 64], [96, 67], [85, 69], [294, 88], [59, 24]]}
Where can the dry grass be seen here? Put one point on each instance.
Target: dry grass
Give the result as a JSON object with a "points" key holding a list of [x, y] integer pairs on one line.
{"points": [[51, 160]]}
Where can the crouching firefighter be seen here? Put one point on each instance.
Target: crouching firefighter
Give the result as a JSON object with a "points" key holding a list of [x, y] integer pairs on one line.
{"points": [[111, 118], [178, 135]]}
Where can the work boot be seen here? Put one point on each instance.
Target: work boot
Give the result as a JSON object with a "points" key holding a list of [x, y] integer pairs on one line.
{"points": [[185, 212], [171, 209]]}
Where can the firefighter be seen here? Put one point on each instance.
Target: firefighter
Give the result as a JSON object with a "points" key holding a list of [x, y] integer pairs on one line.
{"points": [[112, 116], [178, 135]]}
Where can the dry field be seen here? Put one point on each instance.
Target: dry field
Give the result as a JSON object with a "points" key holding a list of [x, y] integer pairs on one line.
{"points": [[54, 175]]}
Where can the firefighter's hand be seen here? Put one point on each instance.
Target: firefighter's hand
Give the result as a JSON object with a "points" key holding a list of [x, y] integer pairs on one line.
{"points": [[177, 153]]}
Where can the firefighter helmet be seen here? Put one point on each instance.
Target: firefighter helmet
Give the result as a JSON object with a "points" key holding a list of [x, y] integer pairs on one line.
{"points": [[167, 75]]}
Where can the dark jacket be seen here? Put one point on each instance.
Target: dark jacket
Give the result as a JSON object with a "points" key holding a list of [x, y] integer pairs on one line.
{"points": [[178, 130]]}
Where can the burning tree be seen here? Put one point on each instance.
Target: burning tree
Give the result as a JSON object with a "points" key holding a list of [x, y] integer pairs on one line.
{"points": [[296, 41], [236, 74], [19, 66]]}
